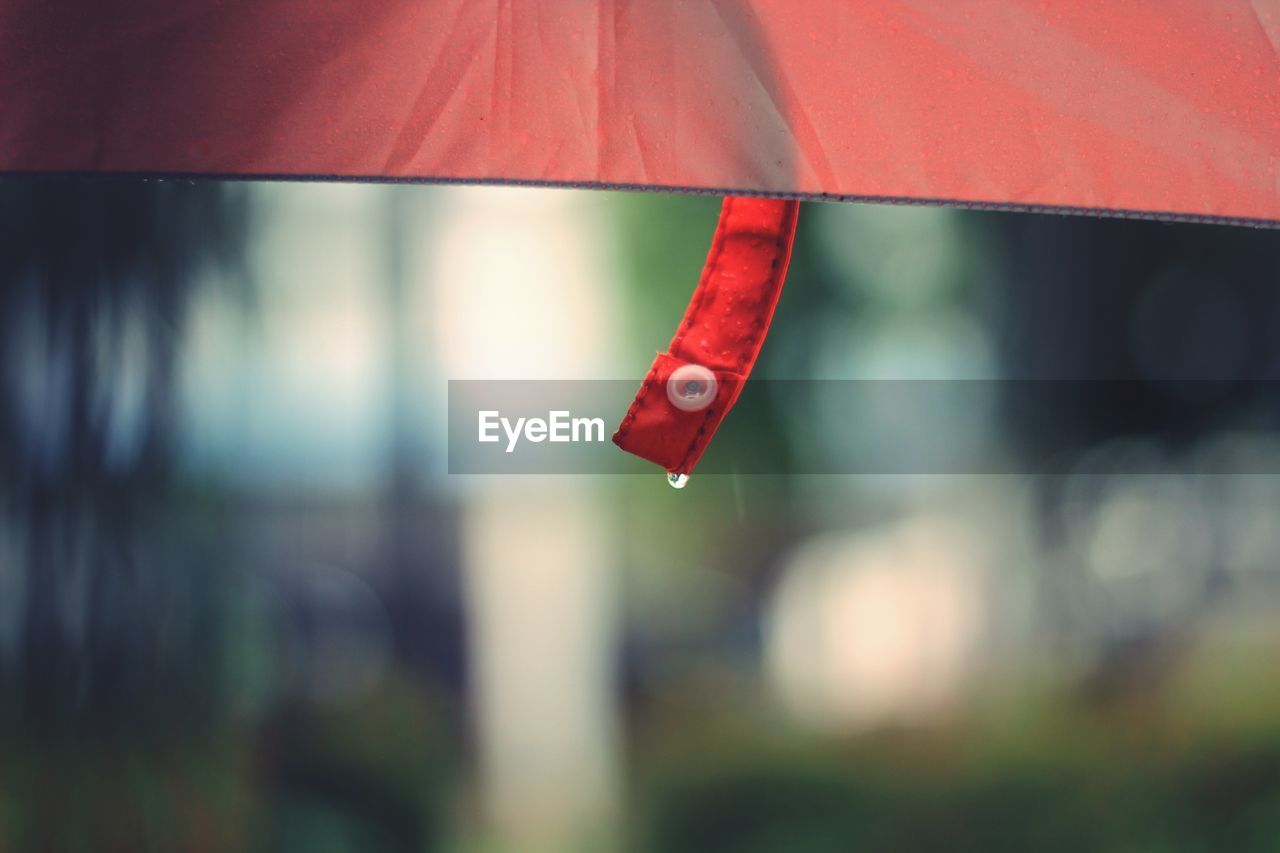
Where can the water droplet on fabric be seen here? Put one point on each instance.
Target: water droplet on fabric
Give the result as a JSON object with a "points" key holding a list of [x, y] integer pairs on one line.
{"points": [[677, 481]]}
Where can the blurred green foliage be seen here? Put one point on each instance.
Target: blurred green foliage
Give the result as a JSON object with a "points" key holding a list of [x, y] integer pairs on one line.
{"points": [[1070, 778], [663, 242], [1194, 766], [370, 776]]}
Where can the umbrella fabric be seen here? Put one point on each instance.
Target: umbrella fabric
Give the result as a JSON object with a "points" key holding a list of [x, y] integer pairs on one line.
{"points": [[1156, 108], [1146, 107]]}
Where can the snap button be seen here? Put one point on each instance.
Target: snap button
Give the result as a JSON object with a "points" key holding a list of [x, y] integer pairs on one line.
{"points": [[691, 388]]}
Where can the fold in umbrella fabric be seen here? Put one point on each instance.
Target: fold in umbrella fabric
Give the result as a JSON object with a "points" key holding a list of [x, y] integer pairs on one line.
{"points": [[1165, 108]]}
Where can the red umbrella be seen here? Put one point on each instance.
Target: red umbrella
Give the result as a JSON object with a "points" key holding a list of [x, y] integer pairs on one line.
{"points": [[1152, 108]]}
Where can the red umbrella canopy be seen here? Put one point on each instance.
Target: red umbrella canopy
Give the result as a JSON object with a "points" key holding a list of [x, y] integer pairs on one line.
{"points": [[1168, 107]]}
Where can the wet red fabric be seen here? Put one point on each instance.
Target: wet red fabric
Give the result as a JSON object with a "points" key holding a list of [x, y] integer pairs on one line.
{"points": [[722, 331], [1168, 107]]}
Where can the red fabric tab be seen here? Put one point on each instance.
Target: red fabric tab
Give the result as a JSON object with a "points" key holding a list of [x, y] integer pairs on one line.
{"points": [[722, 331]]}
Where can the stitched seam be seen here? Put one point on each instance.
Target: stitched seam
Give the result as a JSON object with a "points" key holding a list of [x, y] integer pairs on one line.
{"points": [[704, 284], [629, 418], [746, 192], [772, 289], [697, 437]]}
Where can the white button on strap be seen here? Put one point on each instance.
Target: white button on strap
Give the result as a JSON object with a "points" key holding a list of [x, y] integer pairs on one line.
{"points": [[691, 388]]}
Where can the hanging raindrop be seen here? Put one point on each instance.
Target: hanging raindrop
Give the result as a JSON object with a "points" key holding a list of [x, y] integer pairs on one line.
{"points": [[677, 481]]}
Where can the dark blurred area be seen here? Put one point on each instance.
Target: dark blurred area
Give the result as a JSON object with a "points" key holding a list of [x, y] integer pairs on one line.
{"points": [[243, 607], [97, 281]]}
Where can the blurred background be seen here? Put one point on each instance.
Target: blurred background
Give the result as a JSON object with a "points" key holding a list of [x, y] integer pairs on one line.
{"points": [[244, 607]]}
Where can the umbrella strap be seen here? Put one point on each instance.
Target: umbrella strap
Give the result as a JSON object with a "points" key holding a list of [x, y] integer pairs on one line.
{"points": [[722, 331]]}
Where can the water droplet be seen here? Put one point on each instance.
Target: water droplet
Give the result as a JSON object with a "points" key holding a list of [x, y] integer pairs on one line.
{"points": [[677, 481]]}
